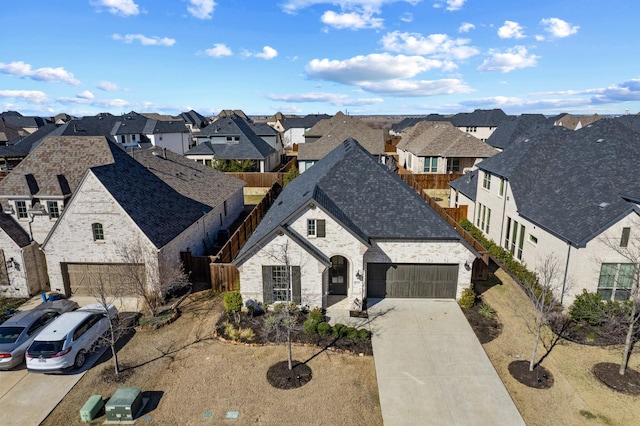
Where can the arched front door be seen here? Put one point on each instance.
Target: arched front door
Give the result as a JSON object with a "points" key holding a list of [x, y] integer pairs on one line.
{"points": [[338, 276]]}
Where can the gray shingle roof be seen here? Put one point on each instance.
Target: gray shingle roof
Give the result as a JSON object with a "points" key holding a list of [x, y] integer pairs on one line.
{"points": [[362, 194], [515, 128], [14, 230], [306, 122], [407, 122], [479, 118], [442, 139], [467, 184], [573, 183]]}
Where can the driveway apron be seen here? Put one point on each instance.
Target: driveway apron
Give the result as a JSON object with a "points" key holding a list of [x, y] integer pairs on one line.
{"points": [[431, 368]]}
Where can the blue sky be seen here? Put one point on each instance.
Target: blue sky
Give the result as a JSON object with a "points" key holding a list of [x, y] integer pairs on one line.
{"points": [[314, 56]]}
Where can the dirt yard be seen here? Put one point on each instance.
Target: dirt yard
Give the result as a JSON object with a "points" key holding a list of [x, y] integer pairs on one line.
{"points": [[577, 397], [192, 378]]}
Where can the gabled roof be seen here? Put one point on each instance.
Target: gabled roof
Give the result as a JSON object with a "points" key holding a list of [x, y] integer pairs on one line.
{"points": [[306, 122], [22, 146], [479, 118], [160, 211], [131, 124], [103, 124], [412, 121], [191, 179], [18, 120], [156, 127], [573, 183], [516, 128], [231, 112], [343, 127], [194, 118], [322, 127], [572, 122], [442, 139], [9, 133], [467, 184], [56, 166], [631, 121], [16, 232], [263, 129], [249, 146], [361, 194]]}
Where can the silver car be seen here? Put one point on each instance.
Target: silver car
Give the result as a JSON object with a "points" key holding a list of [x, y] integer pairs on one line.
{"points": [[17, 332]]}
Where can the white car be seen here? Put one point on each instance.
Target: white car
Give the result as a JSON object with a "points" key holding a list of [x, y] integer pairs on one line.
{"points": [[65, 342]]}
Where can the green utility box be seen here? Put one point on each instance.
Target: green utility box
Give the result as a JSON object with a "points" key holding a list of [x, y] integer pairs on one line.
{"points": [[124, 404], [91, 408]]}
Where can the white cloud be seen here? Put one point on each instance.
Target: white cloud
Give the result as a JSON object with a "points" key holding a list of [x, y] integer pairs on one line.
{"points": [[351, 20], [466, 27], [118, 7], [331, 98], [415, 88], [144, 40], [201, 9], [558, 28], [509, 60], [450, 5], [33, 96], [218, 50], [108, 86], [511, 29], [373, 67], [20, 69], [267, 53], [292, 6], [407, 17], [437, 45], [85, 95]]}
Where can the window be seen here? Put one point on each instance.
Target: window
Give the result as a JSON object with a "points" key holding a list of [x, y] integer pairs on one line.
{"points": [[486, 182], [430, 164], [521, 242], [501, 190], [308, 164], [533, 239], [21, 208], [98, 231], [281, 283], [616, 280], [316, 228], [453, 165], [624, 240], [409, 160], [484, 218], [472, 129], [514, 237], [54, 211]]}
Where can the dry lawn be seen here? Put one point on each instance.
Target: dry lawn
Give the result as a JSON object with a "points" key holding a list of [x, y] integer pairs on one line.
{"points": [[577, 396], [195, 379]]}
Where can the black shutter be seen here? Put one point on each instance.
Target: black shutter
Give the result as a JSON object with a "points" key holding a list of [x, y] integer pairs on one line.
{"points": [[267, 285], [320, 232], [296, 285]]}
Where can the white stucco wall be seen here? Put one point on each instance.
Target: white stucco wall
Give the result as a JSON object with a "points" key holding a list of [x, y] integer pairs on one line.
{"points": [[293, 135], [17, 285], [175, 142]]}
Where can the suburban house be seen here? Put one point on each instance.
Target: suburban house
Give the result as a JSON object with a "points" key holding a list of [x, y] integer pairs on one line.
{"points": [[405, 123], [166, 205], [194, 120], [463, 192], [571, 195], [439, 147], [12, 154], [349, 228], [575, 122], [230, 139], [28, 124], [294, 129], [269, 135], [481, 123], [334, 131], [514, 128]]}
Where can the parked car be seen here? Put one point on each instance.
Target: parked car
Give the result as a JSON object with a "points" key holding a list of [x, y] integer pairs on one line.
{"points": [[17, 332], [65, 342]]}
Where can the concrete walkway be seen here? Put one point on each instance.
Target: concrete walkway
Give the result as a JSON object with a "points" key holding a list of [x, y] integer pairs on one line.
{"points": [[431, 368]]}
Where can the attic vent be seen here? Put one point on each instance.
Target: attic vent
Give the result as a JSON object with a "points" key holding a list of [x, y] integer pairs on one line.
{"points": [[603, 205], [280, 202], [600, 140], [526, 140]]}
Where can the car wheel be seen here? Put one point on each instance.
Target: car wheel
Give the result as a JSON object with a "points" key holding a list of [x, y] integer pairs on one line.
{"points": [[81, 357]]}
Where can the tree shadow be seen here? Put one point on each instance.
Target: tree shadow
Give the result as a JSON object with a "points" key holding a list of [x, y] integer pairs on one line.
{"points": [[481, 286]]}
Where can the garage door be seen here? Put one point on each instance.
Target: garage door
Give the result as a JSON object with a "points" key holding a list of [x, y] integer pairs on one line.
{"points": [[90, 279], [412, 280]]}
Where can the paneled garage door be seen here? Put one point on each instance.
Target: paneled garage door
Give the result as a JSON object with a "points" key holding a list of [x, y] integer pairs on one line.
{"points": [[82, 279], [412, 280]]}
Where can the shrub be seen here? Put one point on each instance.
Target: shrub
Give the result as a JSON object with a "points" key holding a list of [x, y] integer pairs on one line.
{"points": [[351, 333], [236, 333], [232, 302], [279, 308], [486, 311], [291, 174], [468, 298], [310, 326], [588, 307], [337, 329], [364, 334], [316, 315], [324, 329], [247, 334]]}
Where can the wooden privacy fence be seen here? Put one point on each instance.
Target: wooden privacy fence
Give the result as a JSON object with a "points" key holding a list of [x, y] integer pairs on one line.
{"points": [[264, 180], [435, 181], [445, 213]]}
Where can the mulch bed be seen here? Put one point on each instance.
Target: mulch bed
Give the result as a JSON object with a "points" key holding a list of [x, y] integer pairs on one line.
{"points": [[539, 378], [486, 329], [583, 333], [262, 336], [608, 373], [279, 376]]}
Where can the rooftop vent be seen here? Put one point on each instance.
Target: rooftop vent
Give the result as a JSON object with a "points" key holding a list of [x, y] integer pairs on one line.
{"points": [[603, 205], [600, 140]]}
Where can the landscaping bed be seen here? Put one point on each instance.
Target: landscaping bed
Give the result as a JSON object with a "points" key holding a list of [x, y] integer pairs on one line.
{"points": [[486, 328]]}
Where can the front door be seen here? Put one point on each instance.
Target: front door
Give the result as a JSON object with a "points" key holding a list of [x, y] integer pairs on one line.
{"points": [[338, 276]]}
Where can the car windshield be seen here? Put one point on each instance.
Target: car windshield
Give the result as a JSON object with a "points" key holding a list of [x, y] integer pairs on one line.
{"points": [[10, 334], [38, 348]]}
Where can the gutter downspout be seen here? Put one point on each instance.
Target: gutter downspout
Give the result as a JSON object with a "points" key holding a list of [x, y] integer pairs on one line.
{"points": [[566, 271], [504, 208]]}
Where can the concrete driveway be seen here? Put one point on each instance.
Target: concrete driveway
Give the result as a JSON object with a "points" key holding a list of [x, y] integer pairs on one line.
{"points": [[431, 368]]}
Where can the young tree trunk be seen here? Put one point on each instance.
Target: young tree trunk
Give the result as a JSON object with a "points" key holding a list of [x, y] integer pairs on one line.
{"points": [[535, 345], [628, 340], [289, 354]]}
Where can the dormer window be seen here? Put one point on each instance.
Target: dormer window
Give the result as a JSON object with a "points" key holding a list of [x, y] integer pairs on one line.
{"points": [[21, 209], [98, 232], [54, 210], [231, 139]]}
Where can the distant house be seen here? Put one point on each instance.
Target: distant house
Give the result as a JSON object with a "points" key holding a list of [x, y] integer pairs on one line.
{"points": [[516, 128], [194, 121], [233, 139], [463, 192], [439, 147], [563, 193], [27, 123], [328, 134], [12, 154], [405, 123], [164, 206], [481, 123], [294, 129], [350, 228], [269, 135], [575, 122]]}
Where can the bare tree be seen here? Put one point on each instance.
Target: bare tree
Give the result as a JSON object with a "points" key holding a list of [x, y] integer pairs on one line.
{"points": [[627, 279], [150, 288]]}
